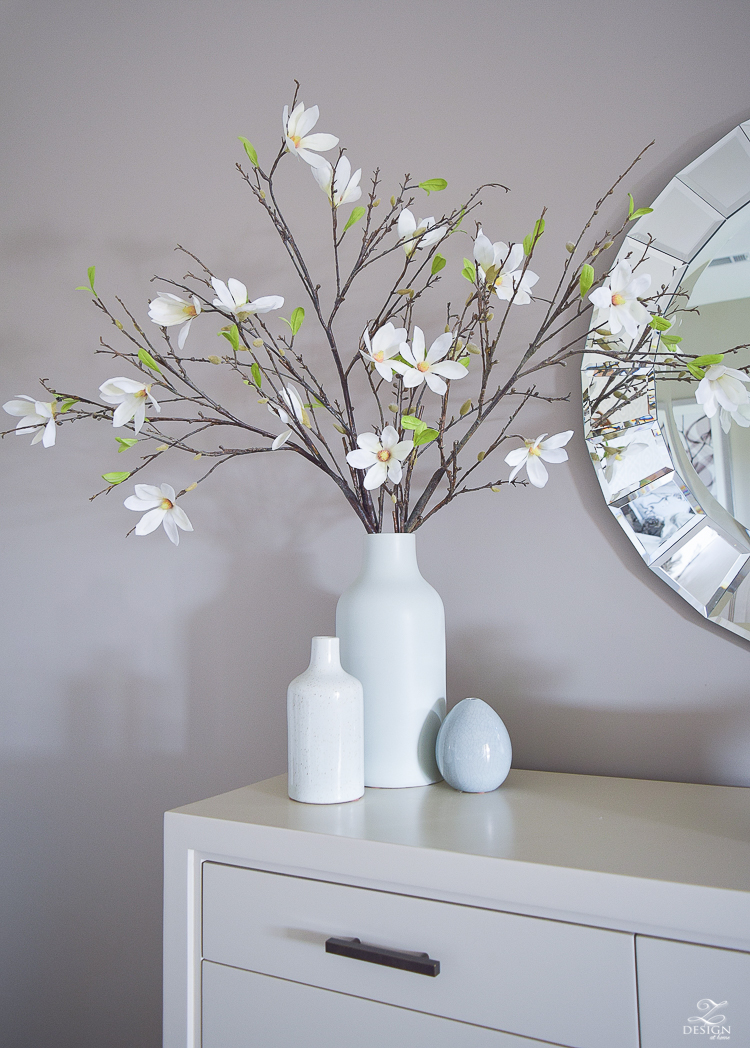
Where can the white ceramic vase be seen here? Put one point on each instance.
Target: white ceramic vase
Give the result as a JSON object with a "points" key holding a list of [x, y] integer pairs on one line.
{"points": [[325, 730], [391, 625]]}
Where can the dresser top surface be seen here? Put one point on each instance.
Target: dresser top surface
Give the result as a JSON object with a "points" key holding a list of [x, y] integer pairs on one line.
{"points": [[667, 831]]}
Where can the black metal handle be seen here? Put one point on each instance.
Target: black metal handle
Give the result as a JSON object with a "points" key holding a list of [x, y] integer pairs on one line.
{"points": [[406, 960]]}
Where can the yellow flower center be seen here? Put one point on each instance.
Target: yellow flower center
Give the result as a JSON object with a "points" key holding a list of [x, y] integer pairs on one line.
{"points": [[166, 504], [617, 299], [534, 450], [296, 139], [140, 393], [189, 310], [423, 366], [380, 356], [383, 455]]}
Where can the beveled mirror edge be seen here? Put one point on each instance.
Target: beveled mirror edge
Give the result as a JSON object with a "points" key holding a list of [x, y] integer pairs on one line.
{"points": [[686, 215]]}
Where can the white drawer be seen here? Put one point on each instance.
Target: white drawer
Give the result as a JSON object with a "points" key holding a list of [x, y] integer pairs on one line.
{"points": [[679, 984], [246, 1010], [544, 979]]}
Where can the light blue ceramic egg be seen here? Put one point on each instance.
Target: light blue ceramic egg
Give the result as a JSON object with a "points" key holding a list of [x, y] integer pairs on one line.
{"points": [[473, 748]]}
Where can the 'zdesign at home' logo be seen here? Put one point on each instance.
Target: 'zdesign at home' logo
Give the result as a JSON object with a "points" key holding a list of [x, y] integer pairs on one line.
{"points": [[709, 1024]]}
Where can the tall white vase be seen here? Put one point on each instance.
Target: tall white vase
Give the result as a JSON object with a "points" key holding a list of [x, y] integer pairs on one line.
{"points": [[324, 730], [391, 625]]}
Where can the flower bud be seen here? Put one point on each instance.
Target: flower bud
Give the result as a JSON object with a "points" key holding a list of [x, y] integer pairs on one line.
{"points": [[570, 247], [496, 487], [338, 428], [490, 316], [393, 408], [215, 360], [471, 347], [609, 244], [481, 455], [393, 201], [257, 342], [196, 457], [465, 408], [376, 203], [595, 252], [191, 487]]}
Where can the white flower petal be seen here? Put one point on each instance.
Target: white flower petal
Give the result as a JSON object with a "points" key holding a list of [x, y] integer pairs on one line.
{"points": [[449, 369], [180, 518], [536, 471], [361, 459], [436, 384], [171, 527], [375, 476], [150, 521], [281, 439], [148, 492], [559, 440], [369, 442]]}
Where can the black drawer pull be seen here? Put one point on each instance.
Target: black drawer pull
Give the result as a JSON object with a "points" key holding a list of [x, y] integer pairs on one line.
{"points": [[406, 960]]}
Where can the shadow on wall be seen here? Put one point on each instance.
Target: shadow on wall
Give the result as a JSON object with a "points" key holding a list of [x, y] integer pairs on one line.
{"points": [[614, 733]]}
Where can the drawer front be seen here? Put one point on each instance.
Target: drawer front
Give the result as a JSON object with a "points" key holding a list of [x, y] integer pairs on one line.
{"points": [[680, 985], [544, 979], [246, 1010]]}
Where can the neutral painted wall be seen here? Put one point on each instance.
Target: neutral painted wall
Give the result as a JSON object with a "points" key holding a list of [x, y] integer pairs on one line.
{"points": [[137, 676]]}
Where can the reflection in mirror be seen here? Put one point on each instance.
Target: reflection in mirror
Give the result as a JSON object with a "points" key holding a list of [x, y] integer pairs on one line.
{"points": [[674, 467]]}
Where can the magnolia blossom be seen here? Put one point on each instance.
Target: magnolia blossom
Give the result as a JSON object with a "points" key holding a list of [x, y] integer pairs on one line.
{"points": [[341, 187], [158, 507], [130, 397], [428, 366], [722, 388], [37, 417], [386, 343], [413, 236], [293, 401], [741, 416], [167, 310], [509, 282], [530, 456], [617, 300], [381, 457], [617, 453], [299, 142], [233, 299]]}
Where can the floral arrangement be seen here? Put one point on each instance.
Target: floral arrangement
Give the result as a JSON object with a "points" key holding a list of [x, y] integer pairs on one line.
{"points": [[411, 417]]}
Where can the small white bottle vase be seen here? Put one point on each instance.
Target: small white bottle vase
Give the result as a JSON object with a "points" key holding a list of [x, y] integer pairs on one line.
{"points": [[325, 730], [391, 625]]}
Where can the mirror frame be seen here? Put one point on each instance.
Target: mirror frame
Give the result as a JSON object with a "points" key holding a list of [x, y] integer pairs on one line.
{"points": [[707, 557]]}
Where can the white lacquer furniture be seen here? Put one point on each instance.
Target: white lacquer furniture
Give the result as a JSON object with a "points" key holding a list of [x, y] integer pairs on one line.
{"points": [[561, 909]]}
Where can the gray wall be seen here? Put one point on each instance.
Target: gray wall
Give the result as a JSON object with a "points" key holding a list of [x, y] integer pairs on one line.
{"points": [[137, 676]]}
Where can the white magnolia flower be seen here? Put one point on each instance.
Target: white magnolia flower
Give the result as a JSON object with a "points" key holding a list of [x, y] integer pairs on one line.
{"points": [[614, 454], [37, 417], [617, 300], [130, 397], [722, 388], [428, 366], [281, 440], [509, 281], [167, 310], [299, 141], [293, 401], [387, 342], [341, 187], [233, 299], [741, 416], [158, 507], [530, 456], [413, 236], [381, 457]]}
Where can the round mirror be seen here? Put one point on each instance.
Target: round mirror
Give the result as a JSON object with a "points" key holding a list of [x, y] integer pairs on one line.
{"points": [[675, 470]]}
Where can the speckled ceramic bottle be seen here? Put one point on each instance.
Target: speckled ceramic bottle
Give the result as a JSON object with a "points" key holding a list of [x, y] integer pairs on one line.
{"points": [[325, 730], [392, 629]]}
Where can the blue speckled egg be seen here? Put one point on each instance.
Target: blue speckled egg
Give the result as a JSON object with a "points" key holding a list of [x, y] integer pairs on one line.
{"points": [[473, 748]]}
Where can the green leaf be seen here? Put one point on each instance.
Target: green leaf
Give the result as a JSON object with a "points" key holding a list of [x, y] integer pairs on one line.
{"points": [[424, 436], [91, 272], [632, 213], [695, 371], [660, 324], [257, 374], [433, 185], [671, 340], [125, 443], [532, 238], [469, 271], [412, 422], [148, 360], [586, 279], [355, 216], [250, 150], [438, 263], [115, 478], [297, 317], [465, 361], [67, 404], [232, 336], [708, 359]]}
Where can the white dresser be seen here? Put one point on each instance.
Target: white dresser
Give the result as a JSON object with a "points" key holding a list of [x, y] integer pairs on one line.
{"points": [[561, 909]]}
